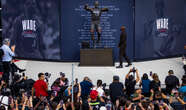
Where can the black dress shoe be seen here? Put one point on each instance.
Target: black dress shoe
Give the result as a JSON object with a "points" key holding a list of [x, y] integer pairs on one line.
{"points": [[128, 65], [120, 66], [22, 70]]}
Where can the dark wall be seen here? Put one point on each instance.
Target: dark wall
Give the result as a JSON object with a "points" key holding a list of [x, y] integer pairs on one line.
{"points": [[154, 41], [34, 26], [76, 26]]}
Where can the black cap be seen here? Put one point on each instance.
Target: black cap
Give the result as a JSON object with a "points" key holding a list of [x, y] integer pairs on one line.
{"points": [[171, 72], [115, 77]]}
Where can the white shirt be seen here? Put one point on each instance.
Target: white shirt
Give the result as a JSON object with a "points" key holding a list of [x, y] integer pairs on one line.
{"points": [[99, 90], [8, 54], [184, 61], [4, 101]]}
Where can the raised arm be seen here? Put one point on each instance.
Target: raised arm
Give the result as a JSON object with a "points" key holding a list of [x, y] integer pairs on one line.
{"points": [[137, 74], [180, 100], [87, 8], [127, 76], [79, 92], [104, 9]]}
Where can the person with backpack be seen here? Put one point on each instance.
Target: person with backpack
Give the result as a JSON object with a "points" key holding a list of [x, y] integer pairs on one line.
{"points": [[171, 82]]}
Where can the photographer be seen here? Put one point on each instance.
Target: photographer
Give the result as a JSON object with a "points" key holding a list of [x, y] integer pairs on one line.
{"points": [[63, 81], [40, 87], [130, 81], [18, 83]]}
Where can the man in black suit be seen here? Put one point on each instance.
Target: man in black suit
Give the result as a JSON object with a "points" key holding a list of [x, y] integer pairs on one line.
{"points": [[122, 48]]}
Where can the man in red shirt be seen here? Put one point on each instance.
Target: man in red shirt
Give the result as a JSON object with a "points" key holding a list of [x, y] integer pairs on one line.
{"points": [[40, 86]]}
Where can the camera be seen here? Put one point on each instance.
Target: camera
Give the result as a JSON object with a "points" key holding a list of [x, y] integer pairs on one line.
{"points": [[47, 76], [133, 69], [151, 73], [61, 102], [23, 74]]}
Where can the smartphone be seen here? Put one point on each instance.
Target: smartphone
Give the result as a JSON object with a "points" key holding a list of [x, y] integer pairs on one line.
{"points": [[61, 102], [23, 74], [54, 93], [150, 73], [174, 91], [161, 102]]}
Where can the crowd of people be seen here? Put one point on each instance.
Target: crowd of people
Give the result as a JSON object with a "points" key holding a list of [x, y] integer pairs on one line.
{"points": [[27, 94], [22, 93]]}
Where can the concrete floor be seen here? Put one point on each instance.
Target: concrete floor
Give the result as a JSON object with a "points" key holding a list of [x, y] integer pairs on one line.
{"points": [[160, 67]]}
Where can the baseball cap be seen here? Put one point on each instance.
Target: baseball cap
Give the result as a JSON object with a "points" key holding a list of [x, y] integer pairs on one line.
{"points": [[93, 94], [116, 77]]}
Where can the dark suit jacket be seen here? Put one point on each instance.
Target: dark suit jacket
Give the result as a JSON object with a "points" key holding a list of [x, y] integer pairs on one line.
{"points": [[123, 40]]}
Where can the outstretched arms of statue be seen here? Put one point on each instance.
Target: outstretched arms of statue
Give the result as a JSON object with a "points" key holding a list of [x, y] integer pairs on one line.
{"points": [[104, 9], [86, 7]]}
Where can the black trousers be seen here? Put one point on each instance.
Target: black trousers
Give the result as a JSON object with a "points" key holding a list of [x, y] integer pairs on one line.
{"points": [[7, 71], [184, 67], [122, 53], [14, 68]]}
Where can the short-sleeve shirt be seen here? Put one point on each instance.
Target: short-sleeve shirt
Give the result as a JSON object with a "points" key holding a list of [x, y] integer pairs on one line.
{"points": [[40, 87], [130, 86]]}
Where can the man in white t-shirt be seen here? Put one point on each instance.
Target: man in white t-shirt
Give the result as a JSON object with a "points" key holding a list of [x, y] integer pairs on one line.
{"points": [[4, 99]]}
